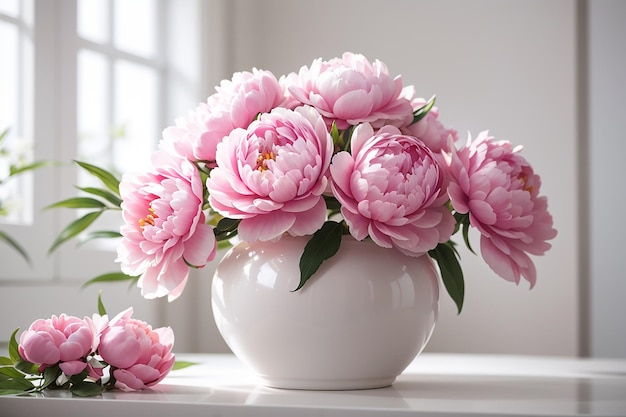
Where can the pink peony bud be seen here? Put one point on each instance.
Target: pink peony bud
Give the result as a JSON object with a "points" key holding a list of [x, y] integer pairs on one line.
{"points": [[140, 356], [65, 340]]}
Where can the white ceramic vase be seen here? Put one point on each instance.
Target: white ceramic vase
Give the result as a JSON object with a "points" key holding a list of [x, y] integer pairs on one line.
{"points": [[356, 324]]}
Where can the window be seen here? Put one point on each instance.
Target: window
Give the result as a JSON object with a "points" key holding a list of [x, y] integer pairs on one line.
{"points": [[17, 195], [92, 80], [15, 99], [101, 92], [121, 80]]}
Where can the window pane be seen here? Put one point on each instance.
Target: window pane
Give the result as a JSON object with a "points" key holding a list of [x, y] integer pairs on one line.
{"points": [[9, 78], [93, 20], [92, 111], [135, 26], [136, 98], [10, 7], [15, 192]]}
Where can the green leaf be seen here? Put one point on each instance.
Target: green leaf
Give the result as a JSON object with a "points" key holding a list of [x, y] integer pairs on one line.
{"points": [[78, 378], [14, 170], [420, 113], [323, 245], [77, 203], [49, 376], [466, 228], [227, 225], [100, 192], [11, 378], [4, 361], [86, 389], [223, 244], [101, 310], [105, 234], [226, 228], [347, 137], [74, 228], [108, 179], [11, 372], [9, 391], [463, 220], [101, 234], [13, 243], [26, 367], [451, 272], [331, 202], [111, 277], [4, 134], [334, 133], [16, 384], [14, 352], [182, 365]]}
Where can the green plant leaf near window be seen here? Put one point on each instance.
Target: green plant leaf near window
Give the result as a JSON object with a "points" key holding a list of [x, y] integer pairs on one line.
{"points": [[15, 168]]}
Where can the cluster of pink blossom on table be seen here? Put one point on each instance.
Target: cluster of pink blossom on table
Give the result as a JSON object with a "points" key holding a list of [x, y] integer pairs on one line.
{"points": [[270, 153], [124, 353]]}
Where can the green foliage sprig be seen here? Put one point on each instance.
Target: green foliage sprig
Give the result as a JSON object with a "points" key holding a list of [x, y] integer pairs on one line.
{"points": [[101, 199], [15, 168]]}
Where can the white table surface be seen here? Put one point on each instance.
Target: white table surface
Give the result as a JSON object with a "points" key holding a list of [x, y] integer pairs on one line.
{"points": [[438, 385]]}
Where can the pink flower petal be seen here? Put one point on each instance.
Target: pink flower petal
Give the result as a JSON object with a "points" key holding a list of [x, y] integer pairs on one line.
{"points": [[72, 367], [266, 227], [127, 381], [201, 246]]}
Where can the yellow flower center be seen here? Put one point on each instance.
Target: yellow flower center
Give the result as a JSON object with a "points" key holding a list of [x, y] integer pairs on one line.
{"points": [[149, 219], [524, 180], [261, 161]]}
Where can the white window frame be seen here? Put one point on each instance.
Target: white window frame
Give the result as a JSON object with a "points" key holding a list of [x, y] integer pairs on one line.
{"points": [[53, 284], [35, 106]]}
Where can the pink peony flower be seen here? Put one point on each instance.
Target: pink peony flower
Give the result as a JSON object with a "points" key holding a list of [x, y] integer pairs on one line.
{"points": [[429, 129], [140, 356], [164, 230], [236, 103], [351, 90], [392, 189], [63, 340], [498, 188], [272, 175]]}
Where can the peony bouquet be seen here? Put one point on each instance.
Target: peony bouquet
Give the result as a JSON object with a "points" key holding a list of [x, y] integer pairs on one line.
{"points": [[339, 147]]}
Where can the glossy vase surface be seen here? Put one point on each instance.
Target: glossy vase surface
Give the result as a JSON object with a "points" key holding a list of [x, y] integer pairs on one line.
{"points": [[356, 324]]}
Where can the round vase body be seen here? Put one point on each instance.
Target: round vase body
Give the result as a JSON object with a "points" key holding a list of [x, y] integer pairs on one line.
{"points": [[357, 323]]}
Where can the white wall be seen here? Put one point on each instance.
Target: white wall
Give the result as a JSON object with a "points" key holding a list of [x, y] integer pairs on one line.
{"points": [[607, 198], [507, 66]]}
